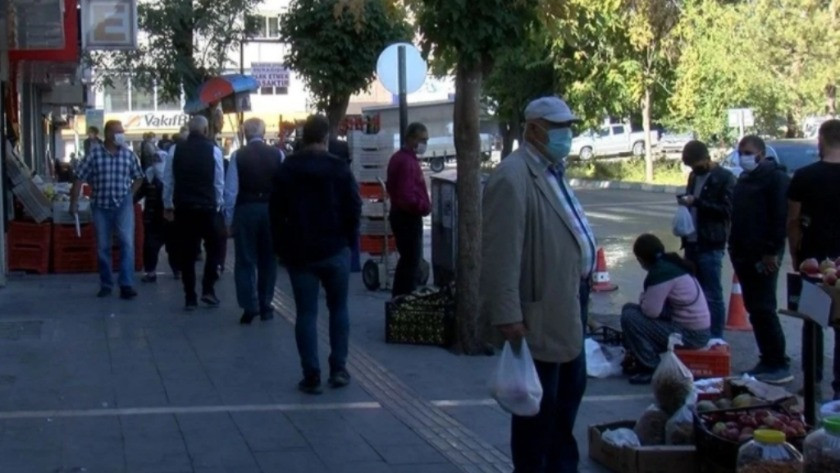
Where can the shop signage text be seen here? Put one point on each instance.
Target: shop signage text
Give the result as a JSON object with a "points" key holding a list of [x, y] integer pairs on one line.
{"points": [[270, 74], [154, 121]]}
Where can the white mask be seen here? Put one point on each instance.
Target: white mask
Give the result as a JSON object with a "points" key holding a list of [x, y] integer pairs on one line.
{"points": [[748, 162], [420, 149]]}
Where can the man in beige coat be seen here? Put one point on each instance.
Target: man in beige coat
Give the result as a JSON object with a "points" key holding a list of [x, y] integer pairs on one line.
{"points": [[538, 257]]}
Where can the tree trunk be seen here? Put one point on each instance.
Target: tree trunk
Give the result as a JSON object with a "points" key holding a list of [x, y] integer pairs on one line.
{"points": [[831, 100], [468, 146], [336, 110], [646, 105]]}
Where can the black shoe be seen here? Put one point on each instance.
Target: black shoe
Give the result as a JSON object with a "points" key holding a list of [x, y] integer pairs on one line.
{"points": [[267, 315], [311, 385], [211, 300], [641, 378], [104, 292], [759, 369], [339, 379], [150, 277], [247, 318], [127, 293]]}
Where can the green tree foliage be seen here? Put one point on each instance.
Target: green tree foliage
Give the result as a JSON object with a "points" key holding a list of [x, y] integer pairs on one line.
{"points": [[183, 42], [335, 47], [777, 57]]}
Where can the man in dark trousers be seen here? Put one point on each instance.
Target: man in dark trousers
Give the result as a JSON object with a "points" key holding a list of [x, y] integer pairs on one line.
{"points": [[315, 213], [193, 196], [756, 247], [814, 226], [248, 187], [409, 204], [708, 197]]}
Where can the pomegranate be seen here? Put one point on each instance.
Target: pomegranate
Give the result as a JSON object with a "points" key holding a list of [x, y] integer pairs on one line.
{"points": [[810, 266]]}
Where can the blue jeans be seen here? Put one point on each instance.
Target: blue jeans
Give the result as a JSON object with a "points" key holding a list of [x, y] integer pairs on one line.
{"points": [[255, 271], [334, 274], [708, 264], [107, 221], [546, 443]]}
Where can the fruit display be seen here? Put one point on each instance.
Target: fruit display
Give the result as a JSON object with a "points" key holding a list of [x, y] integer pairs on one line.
{"points": [[769, 453], [738, 425], [827, 270]]}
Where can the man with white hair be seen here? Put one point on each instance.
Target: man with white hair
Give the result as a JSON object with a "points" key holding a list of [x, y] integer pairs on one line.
{"points": [[538, 257], [193, 196], [248, 187]]}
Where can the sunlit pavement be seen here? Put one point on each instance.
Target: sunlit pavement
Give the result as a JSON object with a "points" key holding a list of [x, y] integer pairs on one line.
{"points": [[92, 385]]}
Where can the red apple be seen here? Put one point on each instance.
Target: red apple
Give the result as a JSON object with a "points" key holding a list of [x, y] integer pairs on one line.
{"points": [[733, 434], [748, 421], [830, 279], [810, 266]]}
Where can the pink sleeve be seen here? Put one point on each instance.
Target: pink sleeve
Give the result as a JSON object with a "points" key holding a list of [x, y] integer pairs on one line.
{"points": [[653, 299]]}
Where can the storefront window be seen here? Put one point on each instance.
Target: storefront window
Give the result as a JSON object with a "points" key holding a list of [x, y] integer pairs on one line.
{"points": [[141, 99], [116, 95]]}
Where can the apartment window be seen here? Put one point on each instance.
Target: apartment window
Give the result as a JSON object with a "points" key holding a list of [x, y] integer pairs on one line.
{"points": [[273, 27], [268, 26], [274, 91], [168, 105], [117, 96], [141, 99]]}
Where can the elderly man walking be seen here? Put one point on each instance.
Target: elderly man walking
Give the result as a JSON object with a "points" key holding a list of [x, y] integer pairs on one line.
{"points": [[538, 257], [248, 187], [114, 173], [193, 196]]}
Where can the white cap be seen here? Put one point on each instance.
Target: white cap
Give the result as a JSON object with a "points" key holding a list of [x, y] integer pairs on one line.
{"points": [[552, 109]]}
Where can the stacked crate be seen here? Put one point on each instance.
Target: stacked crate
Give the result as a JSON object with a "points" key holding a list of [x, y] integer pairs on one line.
{"points": [[29, 246], [72, 252], [370, 154], [139, 235]]}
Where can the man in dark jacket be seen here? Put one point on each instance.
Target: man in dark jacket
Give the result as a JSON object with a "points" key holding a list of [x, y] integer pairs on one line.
{"points": [[248, 187], [315, 213], [409, 204], [756, 246], [193, 195], [709, 198]]}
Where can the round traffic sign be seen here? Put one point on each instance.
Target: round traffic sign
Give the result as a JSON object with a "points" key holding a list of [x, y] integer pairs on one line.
{"points": [[387, 67]]}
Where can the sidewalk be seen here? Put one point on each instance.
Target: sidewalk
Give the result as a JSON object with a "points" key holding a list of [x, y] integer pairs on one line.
{"points": [[93, 385]]}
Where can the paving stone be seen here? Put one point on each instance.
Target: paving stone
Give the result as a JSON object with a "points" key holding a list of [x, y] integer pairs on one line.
{"points": [[409, 454], [291, 461], [268, 431]]}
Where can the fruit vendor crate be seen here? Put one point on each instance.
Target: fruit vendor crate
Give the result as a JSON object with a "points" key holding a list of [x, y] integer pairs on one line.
{"points": [[652, 459]]}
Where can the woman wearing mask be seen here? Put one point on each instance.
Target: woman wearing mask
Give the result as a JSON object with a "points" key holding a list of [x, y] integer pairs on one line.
{"points": [[672, 302]]}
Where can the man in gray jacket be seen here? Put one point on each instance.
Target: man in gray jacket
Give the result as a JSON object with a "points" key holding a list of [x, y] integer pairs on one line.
{"points": [[538, 258]]}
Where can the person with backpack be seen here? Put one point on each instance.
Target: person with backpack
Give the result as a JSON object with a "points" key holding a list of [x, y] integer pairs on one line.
{"points": [[672, 302]]}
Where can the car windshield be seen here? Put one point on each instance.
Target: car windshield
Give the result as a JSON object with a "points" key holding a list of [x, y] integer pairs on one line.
{"points": [[795, 156]]}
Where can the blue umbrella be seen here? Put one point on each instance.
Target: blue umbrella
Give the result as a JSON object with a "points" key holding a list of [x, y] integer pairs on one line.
{"points": [[218, 88]]}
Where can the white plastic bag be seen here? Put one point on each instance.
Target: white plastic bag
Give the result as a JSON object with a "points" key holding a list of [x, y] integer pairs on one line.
{"points": [[602, 361], [683, 224], [679, 430], [621, 438], [515, 385]]}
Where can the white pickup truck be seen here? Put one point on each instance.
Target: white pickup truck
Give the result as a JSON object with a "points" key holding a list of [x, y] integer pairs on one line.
{"points": [[610, 140]]}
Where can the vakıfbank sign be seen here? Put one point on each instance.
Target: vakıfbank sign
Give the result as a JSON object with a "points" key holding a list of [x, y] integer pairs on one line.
{"points": [[152, 120]]}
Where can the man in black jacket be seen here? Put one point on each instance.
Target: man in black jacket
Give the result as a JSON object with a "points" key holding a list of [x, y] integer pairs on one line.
{"points": [[756, 246], [315, 212], [193, 196], [709, 198]]}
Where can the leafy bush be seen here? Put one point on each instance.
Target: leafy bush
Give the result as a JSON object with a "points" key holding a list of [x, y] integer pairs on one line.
{"points": [[665, 171]]}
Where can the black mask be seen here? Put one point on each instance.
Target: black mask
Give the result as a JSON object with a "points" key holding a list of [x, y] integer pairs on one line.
{"points": [[701, 170]]}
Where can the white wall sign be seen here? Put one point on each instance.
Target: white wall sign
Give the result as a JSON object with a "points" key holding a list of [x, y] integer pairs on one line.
{"points": [[270, 74], [154, 120], [109, 24]]}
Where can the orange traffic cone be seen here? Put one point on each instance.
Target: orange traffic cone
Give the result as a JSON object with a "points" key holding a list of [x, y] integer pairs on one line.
{"points": [[737, 319], [602, 275]]}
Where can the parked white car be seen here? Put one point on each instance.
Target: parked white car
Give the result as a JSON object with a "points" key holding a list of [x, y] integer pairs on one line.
{"points": [[611, 140]]}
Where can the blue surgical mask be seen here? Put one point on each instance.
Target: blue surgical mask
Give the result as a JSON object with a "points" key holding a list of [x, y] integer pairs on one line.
{"points": [[559, 144]]}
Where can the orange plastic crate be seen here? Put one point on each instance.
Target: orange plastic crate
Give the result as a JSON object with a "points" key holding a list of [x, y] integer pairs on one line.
{"points": [[33, 259], [64, 236], [374, 245], [29, 235], [712, 363], [74, 260], [371, 191]]}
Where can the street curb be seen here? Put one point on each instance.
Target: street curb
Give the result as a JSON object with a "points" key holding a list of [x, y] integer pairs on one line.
{"points": [[621, 185]]}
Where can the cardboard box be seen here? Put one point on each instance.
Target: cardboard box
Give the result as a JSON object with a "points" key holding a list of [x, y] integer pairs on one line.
{"points": [[34, 202], [794, 289], [654, 459]]}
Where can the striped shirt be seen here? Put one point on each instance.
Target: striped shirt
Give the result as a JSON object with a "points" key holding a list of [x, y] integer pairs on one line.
{"points": [[110, 175], [580, 225]]}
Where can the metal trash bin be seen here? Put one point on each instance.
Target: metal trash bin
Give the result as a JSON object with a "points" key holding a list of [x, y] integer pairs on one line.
{"points": [[445, 225]]}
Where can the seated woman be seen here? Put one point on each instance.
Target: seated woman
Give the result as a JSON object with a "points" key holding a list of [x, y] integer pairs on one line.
{"points": [[672, 302]]}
